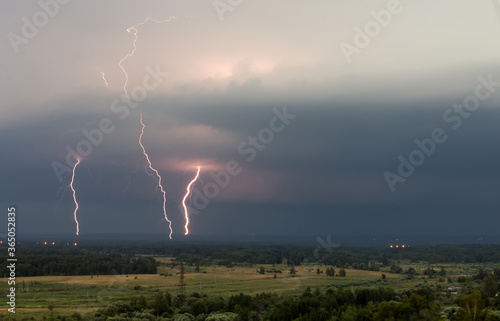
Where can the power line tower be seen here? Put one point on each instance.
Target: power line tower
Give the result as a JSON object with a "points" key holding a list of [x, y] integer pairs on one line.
{"points": [[182, 284]]}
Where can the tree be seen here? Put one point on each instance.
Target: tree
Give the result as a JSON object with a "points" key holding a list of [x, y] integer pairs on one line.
{"points": [[411, 271], [342, 273], [430, 271], [496, 273], [76, 316], [262, 270], [222, 316], [481, 274], [396, 269], [350, 314], [161, 304], [293, 271], [384, 260], [472, 307], [307, 293], [489, 287]]}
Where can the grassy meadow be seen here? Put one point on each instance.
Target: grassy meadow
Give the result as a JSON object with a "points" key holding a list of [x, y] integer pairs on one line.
{"points": [[37, 296]]}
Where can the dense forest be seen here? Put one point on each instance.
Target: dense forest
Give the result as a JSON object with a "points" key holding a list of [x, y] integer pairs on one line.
{"points": [[271, 253], [123, 258], [35, 262]]}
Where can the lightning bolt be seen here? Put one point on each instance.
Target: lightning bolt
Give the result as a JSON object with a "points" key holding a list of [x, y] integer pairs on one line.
{"points": [[134, 44], [104, 79], [159, 178], [74, 198], [188, 191]]}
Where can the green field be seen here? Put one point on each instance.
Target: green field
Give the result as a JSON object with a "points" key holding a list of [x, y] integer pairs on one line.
{"points": [[84, 294]]}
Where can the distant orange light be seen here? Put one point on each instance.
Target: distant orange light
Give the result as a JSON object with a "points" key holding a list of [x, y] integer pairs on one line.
{"points": [[392, 246], [44, 243], [397, 246], [76, 244], [67, 243], [53, 243], [403, 245]]}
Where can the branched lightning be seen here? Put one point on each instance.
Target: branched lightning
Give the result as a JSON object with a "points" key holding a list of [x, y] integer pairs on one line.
{"points": [[134, 43], [130, 177], [74, 198], [188, 191], [159, 178]]}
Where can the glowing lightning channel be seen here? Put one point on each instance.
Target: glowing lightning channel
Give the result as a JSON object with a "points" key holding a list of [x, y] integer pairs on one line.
{"points": [[74, 198], [104, 79], [188, 191], [134, 43], [159, 178]]}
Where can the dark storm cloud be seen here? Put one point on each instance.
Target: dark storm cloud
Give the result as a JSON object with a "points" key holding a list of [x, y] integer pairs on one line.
{"points": [[332, 155], [323, 173]]}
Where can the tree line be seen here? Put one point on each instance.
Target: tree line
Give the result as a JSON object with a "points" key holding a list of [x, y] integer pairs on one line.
{"points": [[82, 264]]}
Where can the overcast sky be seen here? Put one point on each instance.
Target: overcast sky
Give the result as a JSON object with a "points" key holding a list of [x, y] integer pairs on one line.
{"points": [[338, 90]]}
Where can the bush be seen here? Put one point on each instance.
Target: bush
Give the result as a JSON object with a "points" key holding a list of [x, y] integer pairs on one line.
{"points": [[396, 269], [183, 317], [227, 316]]}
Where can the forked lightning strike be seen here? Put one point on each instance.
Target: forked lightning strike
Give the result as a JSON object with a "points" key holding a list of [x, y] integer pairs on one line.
{"points": [[134, 43], [159, 178], [74, 198], [188, 191]]}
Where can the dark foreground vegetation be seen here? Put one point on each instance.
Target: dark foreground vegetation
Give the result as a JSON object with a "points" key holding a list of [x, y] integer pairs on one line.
{"points": [[363, 304], [438, 294]]}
